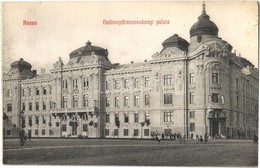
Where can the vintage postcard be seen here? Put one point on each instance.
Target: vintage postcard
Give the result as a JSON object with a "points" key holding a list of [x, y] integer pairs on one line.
{"points": [[144, 83]]}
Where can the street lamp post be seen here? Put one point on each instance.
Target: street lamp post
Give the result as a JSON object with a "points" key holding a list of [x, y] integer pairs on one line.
{"points": [[21, 134]]}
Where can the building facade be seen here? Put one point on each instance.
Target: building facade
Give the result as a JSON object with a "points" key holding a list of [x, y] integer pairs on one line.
{"points": [[194, 87]]}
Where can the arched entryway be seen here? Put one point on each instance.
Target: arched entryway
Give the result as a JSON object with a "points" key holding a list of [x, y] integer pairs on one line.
{"points": [[217, 122]]}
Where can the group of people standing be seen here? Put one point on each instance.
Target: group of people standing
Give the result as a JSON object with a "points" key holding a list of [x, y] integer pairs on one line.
{"points": [[183, 139]]}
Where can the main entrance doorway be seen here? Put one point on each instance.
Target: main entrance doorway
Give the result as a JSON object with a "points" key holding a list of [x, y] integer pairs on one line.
{"points": [[217, 121], [74, 128], [215, 128]]}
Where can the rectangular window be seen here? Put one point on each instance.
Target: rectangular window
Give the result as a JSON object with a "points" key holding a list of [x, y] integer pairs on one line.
{"points": [[115, 132], [37, 91], [23, 92], [126, 117], [75, 101], [85, 83], [64, 127], [126, 84], [65, 84], [107, 85], [146, 132], [106, 132], [146, 82], [237, 101], [30, 121], [43, 132], [116, 118], [116, 101], [107, 118], [23, 106], [136, 83], [36, 132], [192, 95], [43, 105], [23, 121], [37, 106], [136, 132], [44, 91], [75, 83], [214, 97], [117, 84], [9, 93], [30, 91], [167, 98], [30, 106], [107, 102], [50, 132], [192, 78], [125, 132], [85, 127], [50, 89], [215, 78], [192, 114], [167, 116], [168, 80], [8, 132], [85, 101], [147, 117], [146, 100], [126, 101], [136, 117], [136, 100], [50, 104], [192, 127], [237, 118], [9, 107], [37, 120], [43, 120]]}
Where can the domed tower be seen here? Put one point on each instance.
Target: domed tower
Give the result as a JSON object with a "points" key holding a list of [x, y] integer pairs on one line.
{"points": [[84, 53], [174, 42], [21, 69], [203, 29]]}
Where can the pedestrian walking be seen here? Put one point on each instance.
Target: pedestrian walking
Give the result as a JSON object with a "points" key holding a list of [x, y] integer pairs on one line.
{"points": [[255, 139], [197, 139], [180, 138], [29, 136], [162, 135], [191, 136], [158, 138], [206, 138], [201, 139]]}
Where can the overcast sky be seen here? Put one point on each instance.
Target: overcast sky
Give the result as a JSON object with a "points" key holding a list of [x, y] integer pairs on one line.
{"points": [[65, 26]]}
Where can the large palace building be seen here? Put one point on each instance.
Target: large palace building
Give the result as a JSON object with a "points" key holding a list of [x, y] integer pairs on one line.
{"points": [[194, 87]]}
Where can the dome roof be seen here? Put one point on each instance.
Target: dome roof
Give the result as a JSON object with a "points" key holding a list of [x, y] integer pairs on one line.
{"points": [[176, 41], [204, 26], [21, 64], [87, 50]]}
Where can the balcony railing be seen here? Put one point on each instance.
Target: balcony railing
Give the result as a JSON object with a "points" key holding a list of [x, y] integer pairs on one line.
{"points": [[78, 110]]}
